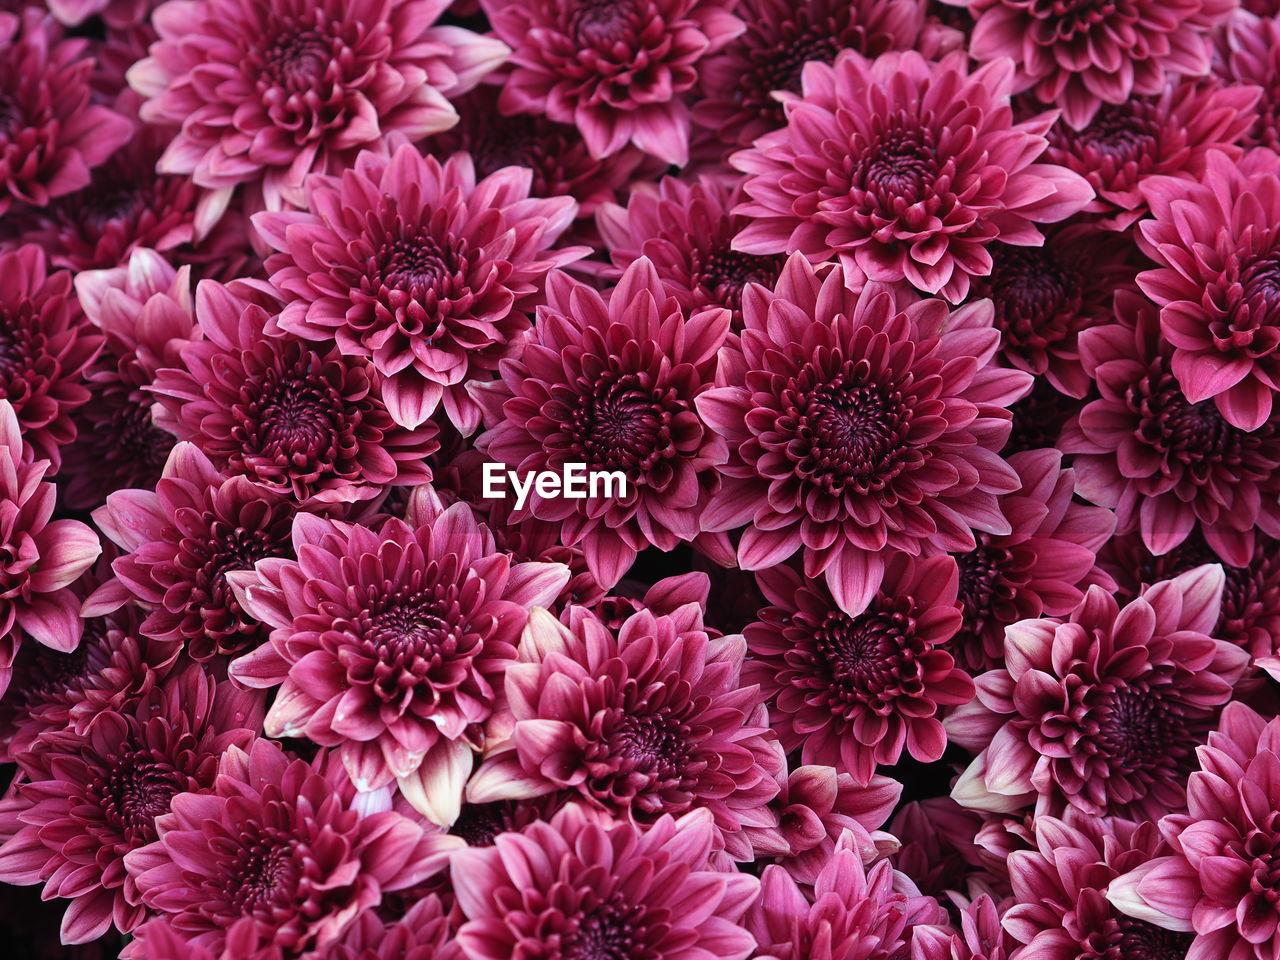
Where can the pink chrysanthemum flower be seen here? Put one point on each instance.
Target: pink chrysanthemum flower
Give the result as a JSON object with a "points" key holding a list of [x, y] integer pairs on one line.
{"points": [[850, 914], [617, 71], [278, 841], [1218, 283], [611, 384], [180, 542], [50, 133], [47, 347], [391, 644], [419, 267], [1045, 297], [1080, 57], [299, 86], [561, 163], [686, 230], [852, 691], [42, 557], [980, 936], [649, 720], [937, 849], [1166, 134], [857, 423], [903, 169], [1249, 56], [1060, 891], [1040, 568], [85, 800], [1101, 711], [815, 807], [738, 87], [145, 311], [578, 887], [1219, 888], [292, 418], [1166, 463]]}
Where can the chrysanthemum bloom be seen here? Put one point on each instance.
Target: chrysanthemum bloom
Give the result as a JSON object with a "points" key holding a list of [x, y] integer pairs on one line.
{"points": [[299, 85], [856, 423], [611, 384], [181, 540], [1220, 885], [578, 887], [648, 720], [851, 691], [1078, 58], [616, 71], [418, 267], [1044, 297], [980, 936], [291, 417], [1164, 462], [50, 133], [562, 165], [1060, 891], [125, 206], [390, 644], [1041, 568], [41, 557], [686, 230], [850, 914], [1250, 596], [737, 89], [278, 841], [145, 312], [85, 800], [1169, 133], [815, 807], [937, 848], [1218, 283], [1249, 55], [904, 169], [112, 667], [47, 347], [1102, 711]]}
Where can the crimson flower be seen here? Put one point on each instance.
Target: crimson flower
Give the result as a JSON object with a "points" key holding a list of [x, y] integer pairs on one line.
{"points": [[1101, 711], [858, 422], [277, 845], [1248, 57], [903, 169], [389, 644], [854, 689], [617, 71], [295, 419], [85, 800], [300, 86], [51, 135], [579, 887], [415, 265]]}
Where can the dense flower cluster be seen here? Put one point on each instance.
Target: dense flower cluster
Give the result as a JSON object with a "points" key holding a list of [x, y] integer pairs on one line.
{"points": [[640, 479]]}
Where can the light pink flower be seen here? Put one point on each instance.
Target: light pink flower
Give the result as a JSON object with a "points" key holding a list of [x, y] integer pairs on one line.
{"points": [[903, 169], [420, 268], [856, 422]]}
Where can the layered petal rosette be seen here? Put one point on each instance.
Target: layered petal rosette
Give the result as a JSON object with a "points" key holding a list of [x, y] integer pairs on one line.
{"points": [[903, 169], [276, 856], [419, 267], [391, 643], [582, 887], [858, 422], [611, 385], [265, 91], [1103, 710], [649, 720]]}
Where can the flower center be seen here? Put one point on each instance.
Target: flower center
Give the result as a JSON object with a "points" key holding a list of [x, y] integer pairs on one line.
{"points": [[1261, 280], [1035, 298], [1066, 18], [1191, 433], [480, 823], [726, 272], [654, 743], [264, 871], [621, 425], [983, 585], [900, 166], [1121, 132], [419, 266], [1141, 732], [601, 23], [137, 790], [605, 934], [1137, 940], [865, 655], [419, 646], [16, 345], [297, 61]]}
